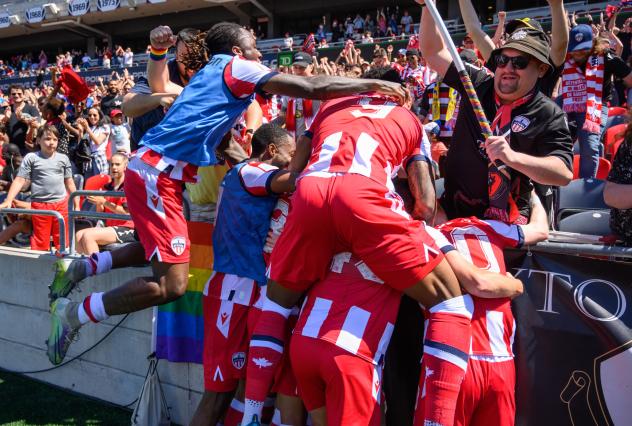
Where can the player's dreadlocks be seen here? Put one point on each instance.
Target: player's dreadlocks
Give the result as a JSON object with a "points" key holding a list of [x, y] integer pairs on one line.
{"points": [[219, 39], [195, 55]]}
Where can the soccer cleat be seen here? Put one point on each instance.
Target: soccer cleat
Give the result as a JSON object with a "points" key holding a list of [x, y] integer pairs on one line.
{"points": [[63, 330], [68, 273], [254, 421]]}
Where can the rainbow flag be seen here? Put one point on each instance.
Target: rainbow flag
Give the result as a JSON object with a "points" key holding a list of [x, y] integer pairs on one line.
{"points": [[180, 324]]}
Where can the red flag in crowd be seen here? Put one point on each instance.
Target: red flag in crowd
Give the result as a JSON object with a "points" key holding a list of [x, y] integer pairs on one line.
{"points": [[75, 87], [413, 42], [611, 9], [309, 46]]}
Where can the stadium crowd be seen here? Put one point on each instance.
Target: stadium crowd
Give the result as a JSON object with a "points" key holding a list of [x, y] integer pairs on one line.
{"points": [[359, 144]]}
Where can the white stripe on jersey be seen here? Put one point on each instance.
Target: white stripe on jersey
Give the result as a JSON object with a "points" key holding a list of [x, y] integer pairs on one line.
{"points": [[317, 316], [327, 152], [384, 341], [365, 147], [496, 332], [352, 330], [254, 343], [446, 356]]}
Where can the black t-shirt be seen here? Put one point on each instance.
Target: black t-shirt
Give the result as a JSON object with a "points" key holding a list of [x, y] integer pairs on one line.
{"points": [[109, 102], [140, 125], [17, 129], [626, 40], [539, 129]]}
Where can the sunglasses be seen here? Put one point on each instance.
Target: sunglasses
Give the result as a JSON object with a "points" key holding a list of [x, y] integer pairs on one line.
{"points": [[518, 62]]}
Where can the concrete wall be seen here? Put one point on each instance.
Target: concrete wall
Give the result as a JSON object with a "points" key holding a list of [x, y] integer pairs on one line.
{"points": [[113, 371]]}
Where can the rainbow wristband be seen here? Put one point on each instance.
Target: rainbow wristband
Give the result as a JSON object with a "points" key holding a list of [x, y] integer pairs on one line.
{"points": [[157, 54]]}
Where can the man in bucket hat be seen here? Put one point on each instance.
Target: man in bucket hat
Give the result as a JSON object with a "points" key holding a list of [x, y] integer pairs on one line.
{"points": [[530, 132]]}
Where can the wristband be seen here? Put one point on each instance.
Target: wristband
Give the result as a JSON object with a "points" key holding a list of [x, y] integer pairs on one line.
{"points": [[157, 54]]}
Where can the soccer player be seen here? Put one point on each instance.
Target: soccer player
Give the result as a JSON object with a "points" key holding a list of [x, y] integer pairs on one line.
{"points": [[249, 194], [185, 139], [345, 201], [487, 392]]}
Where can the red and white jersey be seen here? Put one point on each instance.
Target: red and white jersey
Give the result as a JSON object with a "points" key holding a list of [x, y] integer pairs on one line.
{"points": [[367, 135], [352, 309], [270, 106], [482, 243]]}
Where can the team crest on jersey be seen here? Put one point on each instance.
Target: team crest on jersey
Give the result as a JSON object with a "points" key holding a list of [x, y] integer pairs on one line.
{"points": [[519, 124], [178, 244], [239, 360], [579, 37], [519, 35]]}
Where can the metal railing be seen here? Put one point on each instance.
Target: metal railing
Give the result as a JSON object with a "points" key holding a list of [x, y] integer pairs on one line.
{"points": [[576, 249], [73, 214], [55, 214]]}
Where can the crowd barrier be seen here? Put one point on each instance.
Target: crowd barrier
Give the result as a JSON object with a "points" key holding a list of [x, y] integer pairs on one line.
{"points": [[55, 214], [74, 214]]}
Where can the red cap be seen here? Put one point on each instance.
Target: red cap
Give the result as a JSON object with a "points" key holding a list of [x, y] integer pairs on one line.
{"points": [[115, 112]]}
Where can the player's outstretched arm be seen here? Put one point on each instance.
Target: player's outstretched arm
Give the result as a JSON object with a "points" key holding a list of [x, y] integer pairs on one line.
{"points": [[482, 283], [478, 282], [538, 227], [282, 182], [302, 154], [326, 87]]}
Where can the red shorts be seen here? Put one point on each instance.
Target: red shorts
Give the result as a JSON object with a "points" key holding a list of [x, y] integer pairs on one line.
{"points": [[350, 213], [328, 376], [155, 203], [45, 226], [225, 344], [487, 394]]}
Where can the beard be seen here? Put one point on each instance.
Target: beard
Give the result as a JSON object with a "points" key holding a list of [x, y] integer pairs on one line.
{"points": [[508, 87]]}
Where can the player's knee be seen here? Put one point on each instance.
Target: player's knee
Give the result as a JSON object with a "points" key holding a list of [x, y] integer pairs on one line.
{"points": [[174, 286]]}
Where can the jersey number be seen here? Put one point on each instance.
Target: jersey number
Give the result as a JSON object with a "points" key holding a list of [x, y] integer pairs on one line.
{"points": [[460, 242]]}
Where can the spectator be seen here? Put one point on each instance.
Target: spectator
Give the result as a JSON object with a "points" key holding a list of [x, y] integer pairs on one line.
{"points": [[288, 41], [21, 117], [50, 176], [369, 24], [119, 136], [115, 231], [43, 60], [107, 58], [587, 105], [54, 113], [380, 58], [407, 22], [128, 57], [618, 190], [367, 38], [12, 159], [113, 99], [540, 148], [323, 43], [85, 61], [119, 53], [97, 132], [358, 24], [297, 113], [381, 24], [320, 33], [337, 31]]}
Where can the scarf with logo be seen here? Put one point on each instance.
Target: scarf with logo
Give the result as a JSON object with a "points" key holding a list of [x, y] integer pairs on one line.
{"points": [[449, 104], [502, 204], [291, 116], [583, 91]]}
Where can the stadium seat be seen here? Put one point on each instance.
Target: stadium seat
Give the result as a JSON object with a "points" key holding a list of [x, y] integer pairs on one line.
{"points": [[603, 169], [617, 111], [615, 120], [612, 135], [589, 223], [615, 147], [578, 196]]}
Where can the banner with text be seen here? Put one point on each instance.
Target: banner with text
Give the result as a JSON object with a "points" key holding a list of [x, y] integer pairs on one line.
{"points": [[35, 14], [573, 340], [78, 7], [108, 5]]}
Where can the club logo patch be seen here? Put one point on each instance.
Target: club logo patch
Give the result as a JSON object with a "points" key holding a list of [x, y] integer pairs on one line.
{"points": [[579, 37], [239, 360], [519, 124], [178, 244], [519, 35]]}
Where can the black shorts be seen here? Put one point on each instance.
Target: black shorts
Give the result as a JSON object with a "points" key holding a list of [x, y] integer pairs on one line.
{"points": [[125, 234]]}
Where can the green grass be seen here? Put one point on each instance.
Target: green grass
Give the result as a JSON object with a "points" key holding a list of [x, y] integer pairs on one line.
{"points": [[27, 402]]}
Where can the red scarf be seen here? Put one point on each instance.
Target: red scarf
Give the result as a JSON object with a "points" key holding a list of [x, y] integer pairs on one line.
{"points": [[290, 114], [502, 205]]}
